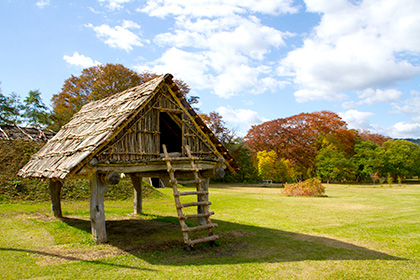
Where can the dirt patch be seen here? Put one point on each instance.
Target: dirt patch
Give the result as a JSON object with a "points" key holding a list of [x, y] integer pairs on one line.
{"points": [[61, 254]]}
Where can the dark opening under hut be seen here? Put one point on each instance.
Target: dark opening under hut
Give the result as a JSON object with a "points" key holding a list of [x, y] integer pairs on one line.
{"points": [[146, 131]]}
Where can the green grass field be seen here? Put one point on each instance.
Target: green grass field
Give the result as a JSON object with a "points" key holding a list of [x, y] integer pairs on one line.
{"points": [[357, 232]]}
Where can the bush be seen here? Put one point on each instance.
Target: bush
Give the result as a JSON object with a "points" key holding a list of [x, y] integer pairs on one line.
{"points": [[310, 187], [14, 154]]}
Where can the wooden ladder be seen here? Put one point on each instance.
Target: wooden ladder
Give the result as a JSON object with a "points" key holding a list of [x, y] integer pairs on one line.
{"points": [[201, 194]]}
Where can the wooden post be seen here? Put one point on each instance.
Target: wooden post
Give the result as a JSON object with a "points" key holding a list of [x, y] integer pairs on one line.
{"points": [[200, 208], [138, 195], [97, 210], [55, 190]]}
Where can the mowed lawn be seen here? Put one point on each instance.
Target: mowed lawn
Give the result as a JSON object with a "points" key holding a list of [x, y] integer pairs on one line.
{"points": [[357, 232]]}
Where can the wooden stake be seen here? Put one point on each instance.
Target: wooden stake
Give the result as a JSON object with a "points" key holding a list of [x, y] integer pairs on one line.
{"points": [[138, 195], [97, 211], [55, 190], [203, 197]]}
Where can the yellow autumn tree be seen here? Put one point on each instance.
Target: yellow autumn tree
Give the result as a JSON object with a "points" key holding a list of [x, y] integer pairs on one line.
{"points": [[272, 168]]}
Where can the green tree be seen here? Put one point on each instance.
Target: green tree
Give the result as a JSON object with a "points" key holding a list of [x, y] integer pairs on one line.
{"points": [[332, 165], [10, 107], [397, 158], [367, 159], [415, 160], [247, 171], [35, 112]]}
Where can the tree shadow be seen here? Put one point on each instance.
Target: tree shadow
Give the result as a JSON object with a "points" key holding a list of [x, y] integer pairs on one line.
{"points": [[152, 239], [70, 258]]}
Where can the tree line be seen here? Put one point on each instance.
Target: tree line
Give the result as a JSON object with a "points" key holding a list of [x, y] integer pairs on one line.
{"points": [[294, 148], [319, 144], [92, 84]]}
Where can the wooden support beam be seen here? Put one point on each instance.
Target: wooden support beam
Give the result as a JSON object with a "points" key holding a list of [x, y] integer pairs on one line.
{"points": [[55, 190], [97, 210], [203, 197], [138, 195]]}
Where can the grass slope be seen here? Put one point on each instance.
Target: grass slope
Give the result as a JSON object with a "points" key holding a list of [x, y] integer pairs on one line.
{"points": [[357, 232]]}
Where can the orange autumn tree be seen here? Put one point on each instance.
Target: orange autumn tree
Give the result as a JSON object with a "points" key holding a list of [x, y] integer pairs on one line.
{"points": [[217, 125], [272, 168], [299, 138], [95, 83], [373, 137]]}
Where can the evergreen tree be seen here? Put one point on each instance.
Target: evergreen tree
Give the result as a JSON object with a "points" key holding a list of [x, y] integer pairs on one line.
{"points": [[35, 112]]}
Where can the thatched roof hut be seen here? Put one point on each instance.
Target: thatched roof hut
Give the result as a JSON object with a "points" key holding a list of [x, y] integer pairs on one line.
{"points": [[146, 131], [126, 128]]}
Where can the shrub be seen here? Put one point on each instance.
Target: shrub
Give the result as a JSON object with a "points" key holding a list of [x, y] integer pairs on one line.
{"points": [[310, 187], [14, 154]]}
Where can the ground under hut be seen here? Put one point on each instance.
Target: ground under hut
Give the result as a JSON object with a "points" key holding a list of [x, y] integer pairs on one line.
{"points": [[146, 131]]}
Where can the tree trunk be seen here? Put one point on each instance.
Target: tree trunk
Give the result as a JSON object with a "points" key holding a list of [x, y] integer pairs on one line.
{"points": [[55, 190], [138, 195], [97, 210], [201, 208]]}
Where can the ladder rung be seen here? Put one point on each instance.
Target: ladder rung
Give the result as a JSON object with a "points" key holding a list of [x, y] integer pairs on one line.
{"points": [[194, 192], [190, 182], [201, 240], [196, 215], [199, 227], [195, 204], [191, 193]]}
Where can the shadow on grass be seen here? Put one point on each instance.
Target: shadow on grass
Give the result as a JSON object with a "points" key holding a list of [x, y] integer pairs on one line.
{"points": [[69, 258], [159, 241]]}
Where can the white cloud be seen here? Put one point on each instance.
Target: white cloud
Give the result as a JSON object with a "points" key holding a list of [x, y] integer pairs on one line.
{"points": [[269, 84], [355, 46], [409, 106], [216, 8], [119, 36], [243, 118], [228, 45], [371, 96], [80, 60], [356, 119], [304, 95], [114, 4], [42, 3], [405, 130], [193, 70]]}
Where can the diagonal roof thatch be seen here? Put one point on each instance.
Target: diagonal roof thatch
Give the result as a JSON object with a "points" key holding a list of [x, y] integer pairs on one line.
{"points": [[93, 127], [15, 132]]}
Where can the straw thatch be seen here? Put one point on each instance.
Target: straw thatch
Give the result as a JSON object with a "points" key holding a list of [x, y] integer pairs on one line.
{"points": [[15, 132], [100, 126]]}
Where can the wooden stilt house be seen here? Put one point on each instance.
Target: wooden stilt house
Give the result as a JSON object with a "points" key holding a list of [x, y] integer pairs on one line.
{"points": [[146, 131]]}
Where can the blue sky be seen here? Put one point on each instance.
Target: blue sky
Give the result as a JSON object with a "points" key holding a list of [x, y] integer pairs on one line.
{"points": [[249, 60]]}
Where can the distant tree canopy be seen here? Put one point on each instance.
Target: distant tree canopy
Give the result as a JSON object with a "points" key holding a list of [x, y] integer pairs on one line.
{"points": [[373, 137], [32, 112], [320, 144], [10, 107], [35, 112], [95, 83], [298, 138]]}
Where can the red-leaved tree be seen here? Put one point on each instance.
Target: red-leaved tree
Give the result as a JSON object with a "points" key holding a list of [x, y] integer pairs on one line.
{"points": [[299, 138]]}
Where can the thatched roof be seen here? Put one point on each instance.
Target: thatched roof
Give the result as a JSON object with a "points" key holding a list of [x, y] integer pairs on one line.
{"points": [[95, 125], [15, 132]]}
